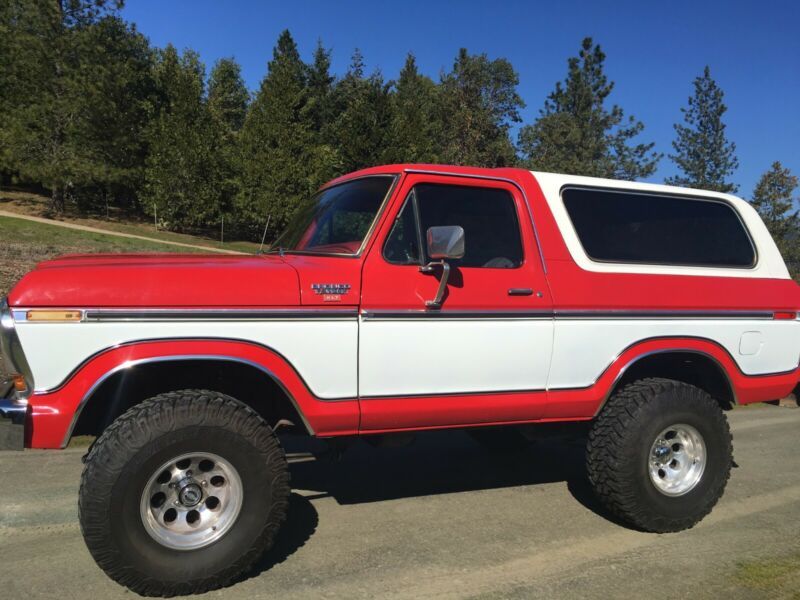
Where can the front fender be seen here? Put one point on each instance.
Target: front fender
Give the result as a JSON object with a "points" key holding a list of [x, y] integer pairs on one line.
{"points": [[54, 413]]}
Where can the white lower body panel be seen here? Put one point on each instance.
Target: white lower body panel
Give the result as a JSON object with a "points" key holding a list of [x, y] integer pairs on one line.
{"points": [[448, 356], [323, 352], [584, 348]]}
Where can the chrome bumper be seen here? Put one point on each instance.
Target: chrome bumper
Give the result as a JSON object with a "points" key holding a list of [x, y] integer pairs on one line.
{"points": [[11, 351], [13, 404], [12, 420]]}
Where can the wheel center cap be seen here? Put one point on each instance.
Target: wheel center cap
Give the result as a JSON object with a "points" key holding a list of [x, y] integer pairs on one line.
{"points": [[190, 494], [661, 452]]}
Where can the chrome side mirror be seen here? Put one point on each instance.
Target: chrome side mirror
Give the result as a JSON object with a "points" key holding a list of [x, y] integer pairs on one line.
{"points": [[446, 242], [443, 243]]}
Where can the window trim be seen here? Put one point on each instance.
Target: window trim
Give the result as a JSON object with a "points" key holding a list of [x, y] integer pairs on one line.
{"points": [[692, 197], [423, 259], [372, 228]]}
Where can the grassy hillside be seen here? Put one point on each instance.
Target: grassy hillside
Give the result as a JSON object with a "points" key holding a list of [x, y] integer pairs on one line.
{"points": [[36, 205], [25, 243]]}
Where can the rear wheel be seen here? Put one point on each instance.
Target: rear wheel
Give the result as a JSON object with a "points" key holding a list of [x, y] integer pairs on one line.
{"points": [[659, 455], [183, 493]]}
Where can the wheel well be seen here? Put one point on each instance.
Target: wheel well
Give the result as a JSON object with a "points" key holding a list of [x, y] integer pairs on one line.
{"points": [[243, 381], [694, 368]]}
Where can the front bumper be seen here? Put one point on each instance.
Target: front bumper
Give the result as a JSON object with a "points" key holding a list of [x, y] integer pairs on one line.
{"points": [[13, 416], [13, 404]]}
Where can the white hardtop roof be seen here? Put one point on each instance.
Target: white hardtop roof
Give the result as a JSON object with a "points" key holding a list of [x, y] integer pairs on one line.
{"points": [[769, 261], [620, 184]]}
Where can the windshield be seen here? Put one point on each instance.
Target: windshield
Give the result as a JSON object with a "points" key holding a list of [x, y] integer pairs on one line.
{"points": [[337, 219]]}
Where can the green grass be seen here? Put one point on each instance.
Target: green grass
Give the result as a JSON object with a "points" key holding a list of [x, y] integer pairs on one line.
{"points": [[27, 203], [774, 577], [169, 236]]}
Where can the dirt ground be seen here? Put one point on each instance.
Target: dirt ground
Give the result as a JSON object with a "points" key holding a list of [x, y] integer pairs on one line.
{"points": [[444, 519]]}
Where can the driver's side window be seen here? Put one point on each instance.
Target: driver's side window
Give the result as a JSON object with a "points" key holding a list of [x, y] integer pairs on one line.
{"points": [[487, 215]]}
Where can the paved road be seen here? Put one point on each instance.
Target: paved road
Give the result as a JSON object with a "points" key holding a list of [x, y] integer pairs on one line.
{"points": [[13, 215], [442, 518]]}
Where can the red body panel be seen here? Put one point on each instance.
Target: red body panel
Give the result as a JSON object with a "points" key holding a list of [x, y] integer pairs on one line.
{"points": [[327, 269], [158, 281], [390, 286]]}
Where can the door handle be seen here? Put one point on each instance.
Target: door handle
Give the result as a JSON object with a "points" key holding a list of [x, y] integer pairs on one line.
{"points": [[523, 292], [520, 292]]}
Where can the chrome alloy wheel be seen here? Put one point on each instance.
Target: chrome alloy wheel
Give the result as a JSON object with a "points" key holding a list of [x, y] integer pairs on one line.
{"points": [[677, 460], [191, 501]]}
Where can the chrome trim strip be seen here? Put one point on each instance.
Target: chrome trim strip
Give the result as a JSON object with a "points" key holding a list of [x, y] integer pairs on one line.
{"points": [[201, 314], [352, 313], [662, 314], [613, 386], [127, 365], [495, 178], [560, 315], [447, 315]]}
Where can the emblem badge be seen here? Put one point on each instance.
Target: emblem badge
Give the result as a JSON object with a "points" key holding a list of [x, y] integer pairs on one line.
{"points": [[330, 292]]}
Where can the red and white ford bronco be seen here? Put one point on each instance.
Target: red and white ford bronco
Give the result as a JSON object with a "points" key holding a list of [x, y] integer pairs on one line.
{"points": [[399, 299]]}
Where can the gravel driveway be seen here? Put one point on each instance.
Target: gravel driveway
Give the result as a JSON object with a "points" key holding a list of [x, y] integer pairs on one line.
{"points": [[442, 518]]}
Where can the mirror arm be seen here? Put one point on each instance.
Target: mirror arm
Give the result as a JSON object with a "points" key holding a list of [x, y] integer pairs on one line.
{"points": [[437, 301]]}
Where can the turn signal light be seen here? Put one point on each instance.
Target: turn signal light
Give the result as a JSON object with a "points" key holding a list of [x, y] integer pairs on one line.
{"points": [[54, 315], [19, 382]]}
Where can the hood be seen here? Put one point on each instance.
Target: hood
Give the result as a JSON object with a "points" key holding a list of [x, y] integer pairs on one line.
{"points": [[159, 281]]}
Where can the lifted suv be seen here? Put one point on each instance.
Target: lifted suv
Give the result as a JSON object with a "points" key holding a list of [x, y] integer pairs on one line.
{"points": [[400, 298]]}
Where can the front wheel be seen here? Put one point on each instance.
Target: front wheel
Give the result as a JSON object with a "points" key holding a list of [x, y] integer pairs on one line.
{"points": [[183, 493], [659, 455]]}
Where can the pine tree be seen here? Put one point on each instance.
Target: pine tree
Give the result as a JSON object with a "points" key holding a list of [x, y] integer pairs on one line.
{"points": [[320, 88], [182, 174], [577, 134], [416, 128], [360, 129], [277, 144], [227, 94], [118, 95], [479, 102], [227, 106], [703, 154], [774, 201], [326, 163], [43, 104]]}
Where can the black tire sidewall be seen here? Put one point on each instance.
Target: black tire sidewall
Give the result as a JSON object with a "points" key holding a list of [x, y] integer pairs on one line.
{"points": [[665, 411], [143, 553]]}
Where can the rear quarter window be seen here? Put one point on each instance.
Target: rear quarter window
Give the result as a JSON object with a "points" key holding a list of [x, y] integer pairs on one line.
{"points": [[646, 228]]}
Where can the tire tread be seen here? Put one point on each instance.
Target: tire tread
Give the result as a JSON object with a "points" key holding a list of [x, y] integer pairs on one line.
{"points": [[142, 424], [608, 455]]}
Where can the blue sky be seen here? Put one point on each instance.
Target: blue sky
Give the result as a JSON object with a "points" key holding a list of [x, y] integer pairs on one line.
{"points": [[654, 50]]}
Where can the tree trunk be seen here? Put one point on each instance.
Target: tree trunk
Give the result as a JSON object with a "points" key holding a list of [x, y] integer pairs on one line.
{"points": [[57, 200]]}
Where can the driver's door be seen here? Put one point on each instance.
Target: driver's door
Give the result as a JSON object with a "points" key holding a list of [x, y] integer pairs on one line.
{"points": [[485, 354]]}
